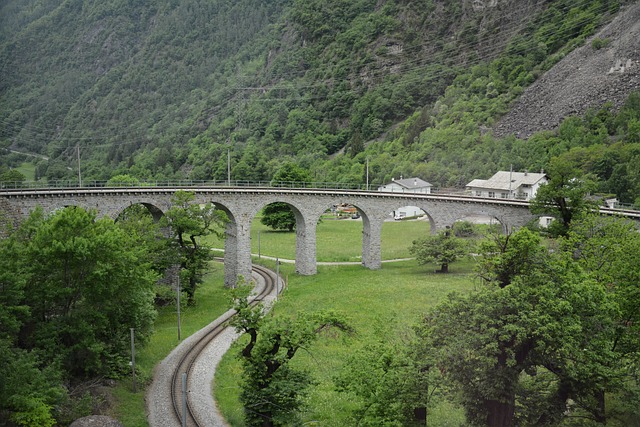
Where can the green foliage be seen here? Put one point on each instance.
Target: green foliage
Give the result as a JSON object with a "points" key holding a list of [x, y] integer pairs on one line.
{"points": [[72, 287], [388, 382], [272, 390], [598, 43], [188, 223], [464, 229], [123, 181], [11, 176], [505, 257], [442, 248], [278, 216], [545, 331]]}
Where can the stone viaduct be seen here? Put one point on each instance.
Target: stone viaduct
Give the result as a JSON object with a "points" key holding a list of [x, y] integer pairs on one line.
{"points": [[243, 204]]}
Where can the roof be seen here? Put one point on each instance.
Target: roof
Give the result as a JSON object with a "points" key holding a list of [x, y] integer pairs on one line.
{"points": [[501, 180], [411, 183]]}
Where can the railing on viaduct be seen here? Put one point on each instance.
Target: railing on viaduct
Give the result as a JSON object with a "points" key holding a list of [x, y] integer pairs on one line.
{"points": [[243, 202]]}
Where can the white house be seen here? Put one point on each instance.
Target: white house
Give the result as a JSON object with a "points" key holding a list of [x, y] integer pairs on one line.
{"points": [[508, 185], [409, 185]]}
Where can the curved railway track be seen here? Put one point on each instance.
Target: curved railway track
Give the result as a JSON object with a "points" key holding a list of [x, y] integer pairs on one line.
{"points": [[184, 411]]}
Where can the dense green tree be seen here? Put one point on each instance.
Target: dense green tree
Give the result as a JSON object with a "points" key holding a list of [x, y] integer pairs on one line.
{"points": [[503, 257], [278, 216], [442, 248], [608, 249], [490, 345], [389, 382], [86, 284], [188, 223], [542, 341], [564, 196], [272, 389], [11, 177], [123, 180]]}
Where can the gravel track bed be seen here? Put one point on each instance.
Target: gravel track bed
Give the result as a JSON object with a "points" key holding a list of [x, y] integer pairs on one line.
{"points": [[158, 397]]}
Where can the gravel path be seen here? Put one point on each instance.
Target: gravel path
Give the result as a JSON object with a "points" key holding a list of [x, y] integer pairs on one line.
{"points": [[158, 396]]}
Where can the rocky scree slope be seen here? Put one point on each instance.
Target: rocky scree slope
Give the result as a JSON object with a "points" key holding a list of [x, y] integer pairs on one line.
{"points": [[586, 78]]}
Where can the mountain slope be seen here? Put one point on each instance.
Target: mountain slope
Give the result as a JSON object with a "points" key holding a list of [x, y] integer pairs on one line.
{"points": [[588, 77], [166, 90]]}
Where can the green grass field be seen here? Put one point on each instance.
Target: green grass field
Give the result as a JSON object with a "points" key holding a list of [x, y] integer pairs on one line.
{"points": [[336, 241], [397, 293], [395, 296], [28, 170]]}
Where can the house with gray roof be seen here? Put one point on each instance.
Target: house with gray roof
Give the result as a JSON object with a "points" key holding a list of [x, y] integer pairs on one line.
{"points": [[508, 185], [408, 185]]}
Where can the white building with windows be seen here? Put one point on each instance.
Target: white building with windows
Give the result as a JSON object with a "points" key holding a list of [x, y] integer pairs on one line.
{"points": [[408, 185], [508, 185]]}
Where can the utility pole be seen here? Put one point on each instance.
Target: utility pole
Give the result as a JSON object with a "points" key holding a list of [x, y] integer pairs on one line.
{"points": [[229, 161], [133, 359], [367, 173], [79, 175], [178, 306]]}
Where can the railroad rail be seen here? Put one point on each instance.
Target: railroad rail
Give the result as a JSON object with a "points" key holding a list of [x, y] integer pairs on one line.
{"points": [[184, 411]]}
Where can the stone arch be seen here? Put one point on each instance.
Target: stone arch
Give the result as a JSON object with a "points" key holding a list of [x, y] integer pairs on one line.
{"points": [[344, 209], [156, 212], [494, 215], [305, 229]]}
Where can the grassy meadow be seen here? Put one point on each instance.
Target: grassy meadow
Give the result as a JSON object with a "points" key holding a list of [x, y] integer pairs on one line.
{"points": [[395, 296], [336, 240], [390, 299]]}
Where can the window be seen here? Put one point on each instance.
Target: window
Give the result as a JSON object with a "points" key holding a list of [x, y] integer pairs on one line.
{"points": [[492, 194], [478, 193], [504, 195]]}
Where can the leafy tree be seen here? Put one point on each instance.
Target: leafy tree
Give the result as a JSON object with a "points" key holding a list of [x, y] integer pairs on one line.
{"points": [[442, 248], [290, 175], [505, 257], [123, 181], [272, 389], [564, 196], [278, 216], [12, 176], [188, 222], [538, 343], [389, 382], [143, 228], [609, 250], [86, 284], [30, 389]]}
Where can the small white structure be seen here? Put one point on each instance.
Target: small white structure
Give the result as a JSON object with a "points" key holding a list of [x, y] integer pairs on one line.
{"points": [[508, 185], [408, 185]]}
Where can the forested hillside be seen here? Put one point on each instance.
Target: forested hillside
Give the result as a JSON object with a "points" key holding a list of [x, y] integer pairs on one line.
{"points": [[163, 90]]}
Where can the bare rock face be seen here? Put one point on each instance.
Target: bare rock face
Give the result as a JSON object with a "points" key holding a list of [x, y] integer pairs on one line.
{"points": [[96, 421], [588, 77]]}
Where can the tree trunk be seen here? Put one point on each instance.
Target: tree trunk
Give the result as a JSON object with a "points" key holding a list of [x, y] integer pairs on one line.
{"points": [[500, 414], [444, 268], [600, 413]]}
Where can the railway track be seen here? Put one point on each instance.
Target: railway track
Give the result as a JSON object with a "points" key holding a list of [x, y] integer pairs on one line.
{"points": [[184, 409]]}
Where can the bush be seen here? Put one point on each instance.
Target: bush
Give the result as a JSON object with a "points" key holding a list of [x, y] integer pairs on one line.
{"points": [[598, 43]]}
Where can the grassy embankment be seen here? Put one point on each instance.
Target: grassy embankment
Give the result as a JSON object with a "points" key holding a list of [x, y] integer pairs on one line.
{"points": [[398, 293]]}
